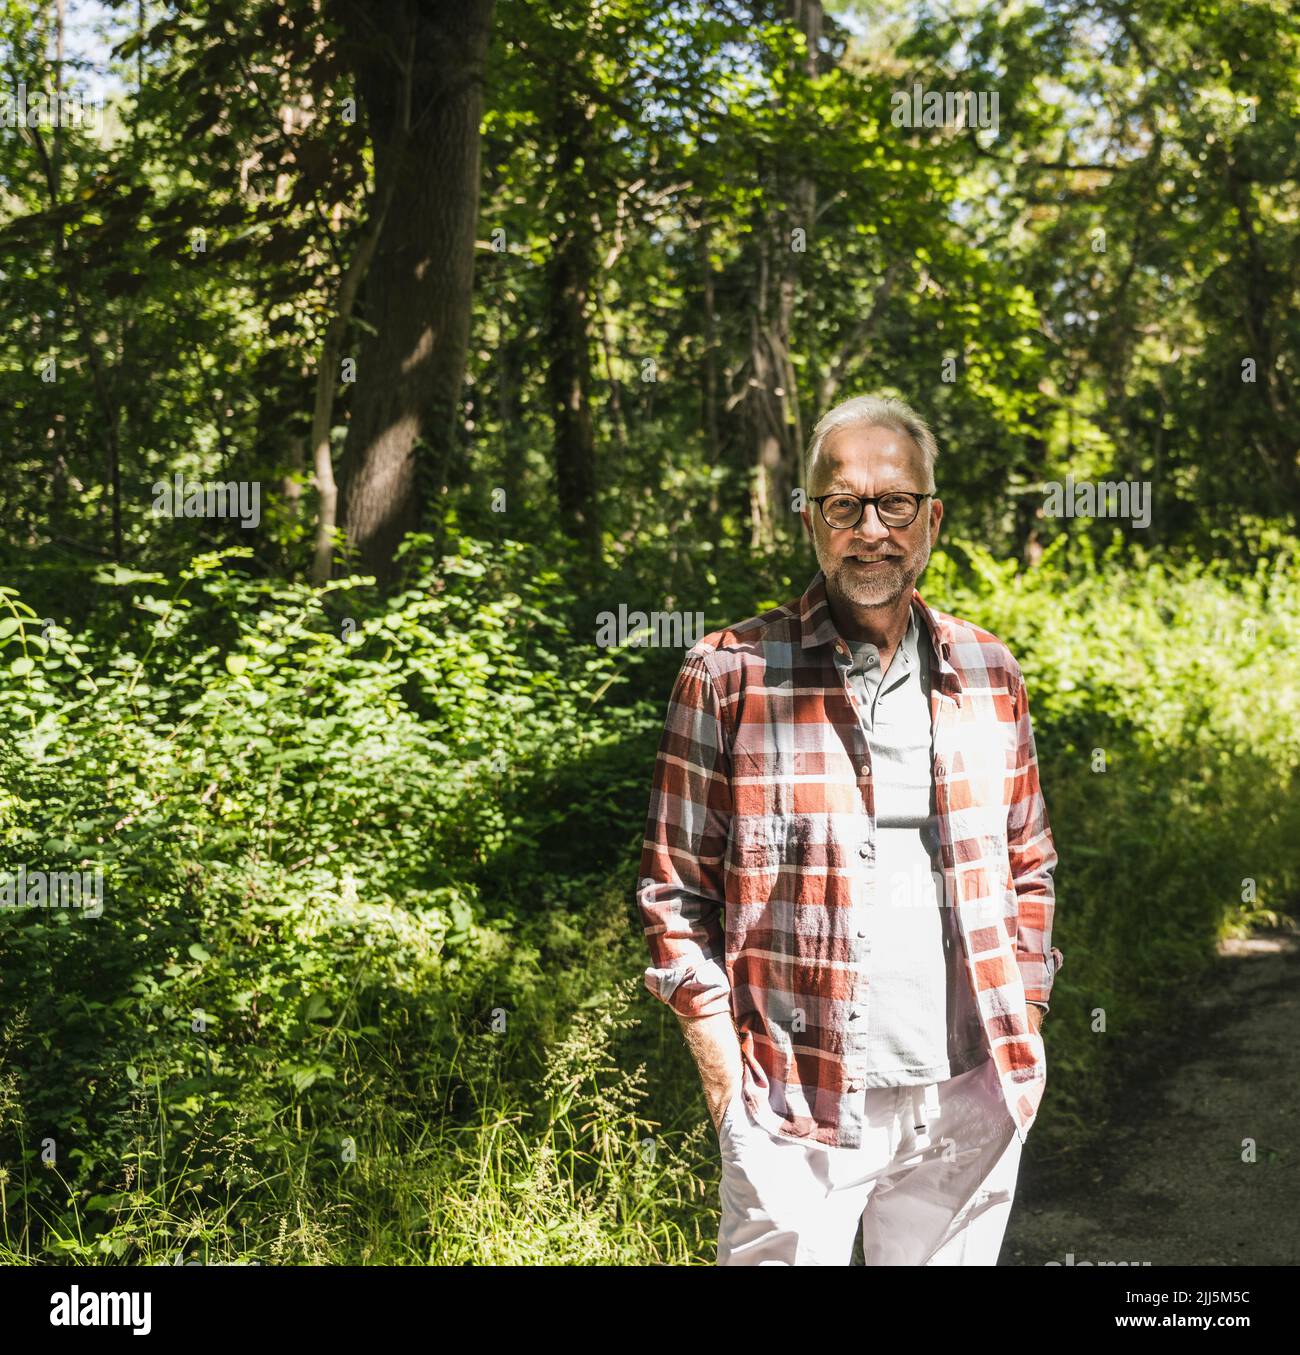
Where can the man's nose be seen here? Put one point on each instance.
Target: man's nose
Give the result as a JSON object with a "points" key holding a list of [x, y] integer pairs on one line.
{"points": [[870, 529]]}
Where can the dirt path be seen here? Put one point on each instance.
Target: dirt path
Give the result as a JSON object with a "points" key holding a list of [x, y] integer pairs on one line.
{"points": [[1169, 1185]]}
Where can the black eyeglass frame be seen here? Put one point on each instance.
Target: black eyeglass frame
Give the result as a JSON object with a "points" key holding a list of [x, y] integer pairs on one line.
{"points": [[863, 501]]}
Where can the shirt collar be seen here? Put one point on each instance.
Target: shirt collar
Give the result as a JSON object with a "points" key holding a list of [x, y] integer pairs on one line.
{"points": [[817, 626], [908, 647]]}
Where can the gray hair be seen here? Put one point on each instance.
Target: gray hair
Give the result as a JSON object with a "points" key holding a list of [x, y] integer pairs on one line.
{"points": [[874, 411]]}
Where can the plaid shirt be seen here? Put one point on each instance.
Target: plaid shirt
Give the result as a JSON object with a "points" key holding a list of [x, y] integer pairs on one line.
{"points": [[763, 795]]}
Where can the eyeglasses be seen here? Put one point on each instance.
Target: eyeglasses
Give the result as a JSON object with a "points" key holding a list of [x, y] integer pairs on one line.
{"points": [[898, 508]]}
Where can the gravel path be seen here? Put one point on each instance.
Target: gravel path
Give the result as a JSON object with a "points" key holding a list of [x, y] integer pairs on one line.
{"points": [[1169, 1185]]}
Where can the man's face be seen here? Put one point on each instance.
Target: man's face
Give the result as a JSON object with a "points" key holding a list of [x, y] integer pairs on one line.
{"points": [[872, 565]]}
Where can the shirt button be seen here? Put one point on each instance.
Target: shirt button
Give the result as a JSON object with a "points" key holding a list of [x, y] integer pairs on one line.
{"points": [[865, 850]]}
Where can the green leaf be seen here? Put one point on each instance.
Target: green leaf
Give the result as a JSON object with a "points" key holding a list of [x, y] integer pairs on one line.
{"points": [[118, 574]]}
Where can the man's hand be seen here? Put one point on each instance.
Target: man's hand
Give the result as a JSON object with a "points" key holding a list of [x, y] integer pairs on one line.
{"points": [[1035, 1017]]}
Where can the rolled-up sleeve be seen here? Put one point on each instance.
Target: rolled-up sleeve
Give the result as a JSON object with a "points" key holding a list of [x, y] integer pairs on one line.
{"points": [[1033, 858], [681, 893]]}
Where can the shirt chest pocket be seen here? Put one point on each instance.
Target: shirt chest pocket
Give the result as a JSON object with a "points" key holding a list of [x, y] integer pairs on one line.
{"points": [[757, 844], [981, 760]]}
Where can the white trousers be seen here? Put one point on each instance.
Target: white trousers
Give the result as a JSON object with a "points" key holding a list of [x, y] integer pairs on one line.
{"points": [[937, 1195]]}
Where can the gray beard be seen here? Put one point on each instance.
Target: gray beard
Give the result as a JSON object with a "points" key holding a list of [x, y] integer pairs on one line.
{"points": [[870, 594]]}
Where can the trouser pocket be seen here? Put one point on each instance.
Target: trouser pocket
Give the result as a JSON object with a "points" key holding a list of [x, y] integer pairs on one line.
{"points": [[734, 1118]]}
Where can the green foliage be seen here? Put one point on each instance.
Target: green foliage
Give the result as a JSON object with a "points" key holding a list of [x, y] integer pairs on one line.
{"points": [[1167, 720], [288, 793], [366, 982]]}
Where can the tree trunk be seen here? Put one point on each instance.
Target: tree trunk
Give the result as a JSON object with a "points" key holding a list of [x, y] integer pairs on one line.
{"points": [[514, 445], [327, 373], [775, 424], [418, 291], [713, 443], [569, 284]]}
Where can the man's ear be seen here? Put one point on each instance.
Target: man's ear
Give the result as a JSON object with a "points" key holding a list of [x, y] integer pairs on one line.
{"points": [[807, 525]]}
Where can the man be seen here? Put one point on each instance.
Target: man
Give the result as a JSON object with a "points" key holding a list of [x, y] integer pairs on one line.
{"points": [[847, 888]]}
